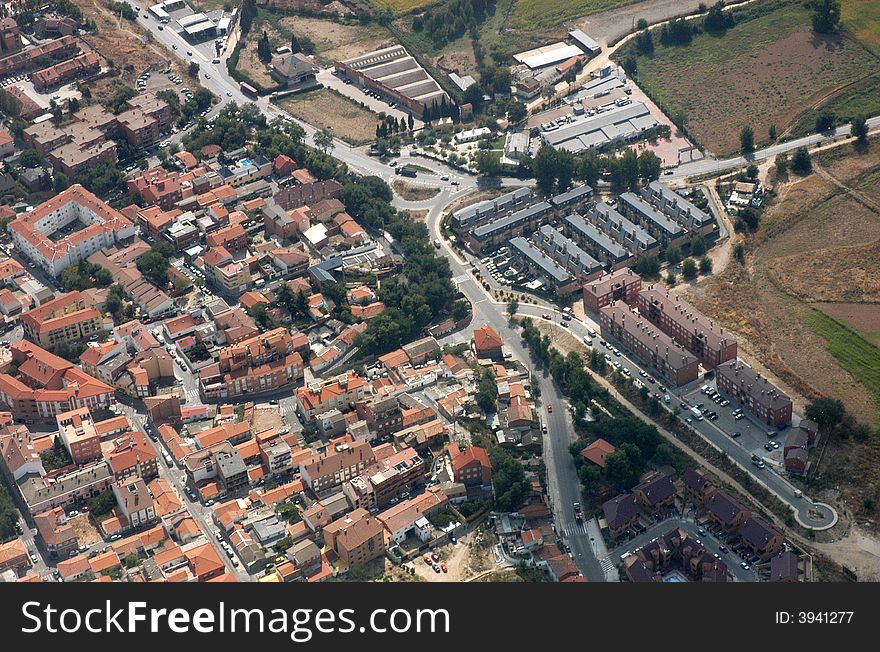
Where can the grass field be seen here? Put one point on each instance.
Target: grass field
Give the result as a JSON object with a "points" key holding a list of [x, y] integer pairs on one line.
{"points": [[403, 6], [862, 317], [854, 353], [861, 18], [770, 69], [535, 14], [329, 110]]}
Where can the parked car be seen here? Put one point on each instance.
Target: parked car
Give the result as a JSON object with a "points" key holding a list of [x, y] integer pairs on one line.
{"points": [[443, 568]]}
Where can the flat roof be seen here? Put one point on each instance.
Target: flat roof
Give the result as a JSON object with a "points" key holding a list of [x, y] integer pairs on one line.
{"points": [[548, 55], [585, 41]]}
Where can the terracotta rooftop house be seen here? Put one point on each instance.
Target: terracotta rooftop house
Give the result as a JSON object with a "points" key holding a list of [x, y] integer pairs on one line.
{"points": [[471, 466], [102, 226], [488, 343], [597, 452], [47, 385]]}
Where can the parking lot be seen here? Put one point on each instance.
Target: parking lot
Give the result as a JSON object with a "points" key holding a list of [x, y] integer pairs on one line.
{"points": [[734, 421], [60, 94]]}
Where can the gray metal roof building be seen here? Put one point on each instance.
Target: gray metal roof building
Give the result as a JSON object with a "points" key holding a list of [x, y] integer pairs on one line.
{"points": [[585, 42], [511, 221], [630, 235], [553, 273], [571, 197], [592, 238], [675, 206], [565, 252], [481, 213], [609, 126], [655, 221]]}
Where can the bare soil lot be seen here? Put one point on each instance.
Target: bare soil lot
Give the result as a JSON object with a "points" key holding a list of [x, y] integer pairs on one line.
{"points": [[413, 192], [334, 41], [329, 110]]}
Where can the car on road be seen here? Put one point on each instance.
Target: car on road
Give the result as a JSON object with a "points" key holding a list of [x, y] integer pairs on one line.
{"points": [[759, 463], [207, 76], [161, 28], [35, 559], [736, 434], [549, 408], [189, 53], [454, 182], [745, 566], [445, 177], [564, 324], [768, 447], [228, 93], [545, 316], [173, 47], [723, 549]]}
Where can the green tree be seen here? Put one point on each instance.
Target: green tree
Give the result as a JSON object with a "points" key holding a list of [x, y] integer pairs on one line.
{"points": [[705, 265], [825, 121], [30, 158], [264, 48], [771, 132], [801, 162], [512, 307], [193, 69], [650, 166], [698, 246], [689, 269], [781, 164], [859, 129], [673, 255], [826, 16], [671, 278], [516, 112], [747, 140], [323, 140]]}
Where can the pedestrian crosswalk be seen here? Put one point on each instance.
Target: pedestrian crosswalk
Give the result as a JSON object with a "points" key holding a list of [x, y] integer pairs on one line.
{"points": [[574, 529], [606, 565]]}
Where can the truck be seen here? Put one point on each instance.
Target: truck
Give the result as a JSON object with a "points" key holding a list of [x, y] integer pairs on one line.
{"points": [[604, 71], [697, 414], [578, 513], [248, 90], [406, 172]]}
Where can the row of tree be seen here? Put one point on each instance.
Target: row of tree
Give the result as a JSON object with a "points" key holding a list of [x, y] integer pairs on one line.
{"points": [[555, 170]]}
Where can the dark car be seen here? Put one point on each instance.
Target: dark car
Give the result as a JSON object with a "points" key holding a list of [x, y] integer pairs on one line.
{"points": [[736, 434]]}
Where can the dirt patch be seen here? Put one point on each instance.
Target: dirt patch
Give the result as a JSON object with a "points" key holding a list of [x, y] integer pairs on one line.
{"points": [[129, 48], [250, 64], [468, 558], [419, 215], [859, 551], [265, 418], [334, 41], [330, 110], [461, 62], [86, 533], [412, 192]]}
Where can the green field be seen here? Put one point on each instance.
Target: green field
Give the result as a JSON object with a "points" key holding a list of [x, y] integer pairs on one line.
{"points": [[861, 18], [536, 14], [770, 69], [403, 6], [854, 353]]}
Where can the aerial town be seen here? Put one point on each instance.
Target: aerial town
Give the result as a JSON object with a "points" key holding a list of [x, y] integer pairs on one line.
{"points": [[439, 291]]}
